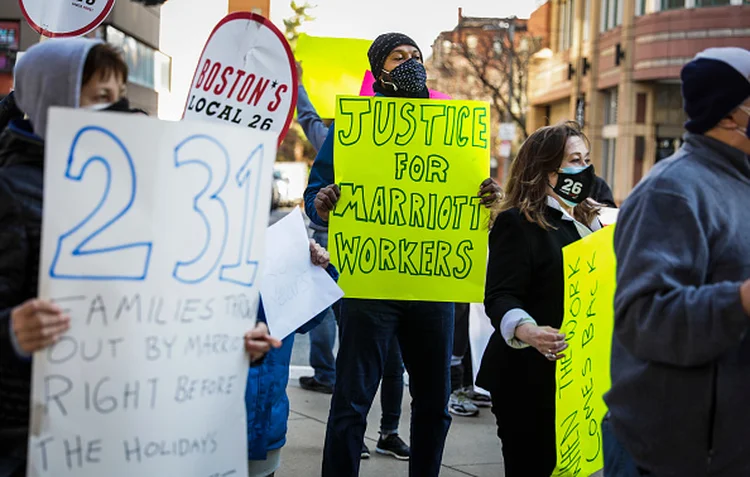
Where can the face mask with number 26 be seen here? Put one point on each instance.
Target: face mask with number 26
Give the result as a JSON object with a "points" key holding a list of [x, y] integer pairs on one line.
{"points": [[574, 184]]}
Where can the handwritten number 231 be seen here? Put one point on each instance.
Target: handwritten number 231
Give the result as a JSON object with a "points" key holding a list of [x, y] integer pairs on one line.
{"points": [[75, 256]]}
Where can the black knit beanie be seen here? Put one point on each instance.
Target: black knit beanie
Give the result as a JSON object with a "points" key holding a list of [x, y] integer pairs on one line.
{"points": [[383, 46], [714, 84]]}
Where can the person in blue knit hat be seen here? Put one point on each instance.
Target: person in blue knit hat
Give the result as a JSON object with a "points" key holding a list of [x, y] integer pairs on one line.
{"points": [[681, 348]]}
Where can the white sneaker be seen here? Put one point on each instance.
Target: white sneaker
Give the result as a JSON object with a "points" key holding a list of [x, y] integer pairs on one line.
{"points": [[460, 405]]}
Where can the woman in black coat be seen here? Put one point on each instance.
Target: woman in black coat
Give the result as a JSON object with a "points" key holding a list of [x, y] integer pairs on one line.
{"points": [[545, 209]]}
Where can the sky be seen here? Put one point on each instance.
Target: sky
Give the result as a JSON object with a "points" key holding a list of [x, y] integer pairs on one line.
{"points": [[186, 25], [423, 20]]}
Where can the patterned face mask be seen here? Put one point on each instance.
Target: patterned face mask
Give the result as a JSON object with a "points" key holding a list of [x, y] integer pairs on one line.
{"points": [[574, 184], [409, 76]]}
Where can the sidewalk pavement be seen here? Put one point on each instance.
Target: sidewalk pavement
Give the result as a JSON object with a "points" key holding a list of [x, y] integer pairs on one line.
{"points": [[472, 448]]}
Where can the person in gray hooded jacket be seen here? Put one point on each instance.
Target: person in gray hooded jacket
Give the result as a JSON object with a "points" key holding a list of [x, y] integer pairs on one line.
{"points": [[680, 398], [73, 73]]}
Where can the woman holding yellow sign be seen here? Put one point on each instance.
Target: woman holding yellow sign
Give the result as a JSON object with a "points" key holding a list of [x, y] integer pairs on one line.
{"points": [[545, 209]]}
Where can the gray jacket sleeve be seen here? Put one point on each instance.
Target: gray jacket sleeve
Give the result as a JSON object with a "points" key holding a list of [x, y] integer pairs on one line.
{"points": [[315, 130], [665, 311]]}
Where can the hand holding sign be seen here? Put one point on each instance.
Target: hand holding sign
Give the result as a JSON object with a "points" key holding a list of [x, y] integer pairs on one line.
{"points": [[258, 342], [37, 324], [325, 200], [318, 255]]}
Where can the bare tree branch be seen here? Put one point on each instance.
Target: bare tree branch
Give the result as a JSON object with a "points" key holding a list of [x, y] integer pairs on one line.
{"points": [[490, 57]]}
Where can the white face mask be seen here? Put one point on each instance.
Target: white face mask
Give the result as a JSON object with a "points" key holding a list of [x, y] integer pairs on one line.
{"points": [[97, 107], [746, 110]]}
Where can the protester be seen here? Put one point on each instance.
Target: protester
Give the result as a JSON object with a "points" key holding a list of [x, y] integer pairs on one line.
{"points": [[681, 350], [524, 293], [323, 337], [75, 73], [266, 400], [369, 326]]}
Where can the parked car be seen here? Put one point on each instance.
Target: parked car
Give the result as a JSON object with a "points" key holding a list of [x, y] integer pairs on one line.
{"points": [[275, 194], [280, 187]]}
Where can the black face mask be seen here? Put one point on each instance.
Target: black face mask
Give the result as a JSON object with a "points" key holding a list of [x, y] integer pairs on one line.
{"points": [[574, 184], [123, 106], [409, 80]]}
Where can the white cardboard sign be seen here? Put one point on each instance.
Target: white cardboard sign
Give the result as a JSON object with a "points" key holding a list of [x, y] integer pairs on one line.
{"points": [[65, 18], [480, 331], [153, 234], [294, 290], [246, 76]]}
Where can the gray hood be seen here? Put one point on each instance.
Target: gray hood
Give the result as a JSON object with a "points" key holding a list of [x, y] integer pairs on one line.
{"points": [[49, 74]]}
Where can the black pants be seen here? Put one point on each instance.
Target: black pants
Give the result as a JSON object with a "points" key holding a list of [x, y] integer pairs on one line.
{"points": [[368, 327], [12, 457], [617, 461], [528, 438], [462, 374]]}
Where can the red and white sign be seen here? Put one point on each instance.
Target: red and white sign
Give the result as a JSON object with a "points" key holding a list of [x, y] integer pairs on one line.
{"points": [[246, 76], [65, 18]]}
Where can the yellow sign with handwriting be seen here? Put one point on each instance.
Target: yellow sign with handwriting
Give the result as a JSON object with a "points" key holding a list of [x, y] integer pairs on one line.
{"points": [[583, 375], [409, 224], [331, 67]]}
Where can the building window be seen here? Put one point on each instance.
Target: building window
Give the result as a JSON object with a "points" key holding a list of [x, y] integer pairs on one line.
{"points": [[610, 106], [641, 101], [713, 3], [566, 19], [640, 7], [561, 25], [571, 21], [609, 150], [148, 67], [640, 153], [9, 43], [586, 21], [672, 4], [472, 41], [611, 14]]}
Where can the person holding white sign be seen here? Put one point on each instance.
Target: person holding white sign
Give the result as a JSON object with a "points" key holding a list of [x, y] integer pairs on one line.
{"points": [[266, 400], [74, 73]]}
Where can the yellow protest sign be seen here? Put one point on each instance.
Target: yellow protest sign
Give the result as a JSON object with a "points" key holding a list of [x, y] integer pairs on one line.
{"points": [[409, 224], [331, 66], [583, 375]]}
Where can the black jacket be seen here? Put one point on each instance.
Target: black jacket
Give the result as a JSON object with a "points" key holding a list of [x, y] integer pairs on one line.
{"points": [[525, 270], [21, 174]]}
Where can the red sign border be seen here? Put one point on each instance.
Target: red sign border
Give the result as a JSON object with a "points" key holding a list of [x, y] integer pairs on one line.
{"points": [[292, 64], [80, 32]]}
